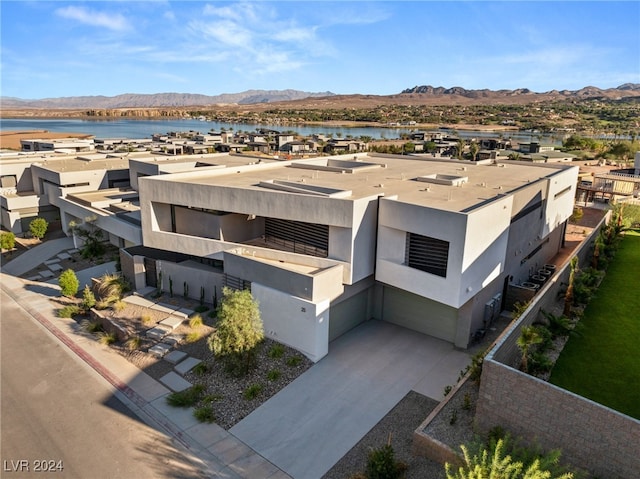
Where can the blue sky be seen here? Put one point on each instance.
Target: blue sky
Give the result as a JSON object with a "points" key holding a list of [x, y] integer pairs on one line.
{"points": [[60, 48]]}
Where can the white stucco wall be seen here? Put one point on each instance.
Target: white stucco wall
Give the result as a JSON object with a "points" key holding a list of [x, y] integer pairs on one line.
{"points": [[301, 324]]}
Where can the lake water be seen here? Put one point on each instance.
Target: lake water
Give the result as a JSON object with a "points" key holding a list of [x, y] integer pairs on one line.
{"points": [[146, 128]]}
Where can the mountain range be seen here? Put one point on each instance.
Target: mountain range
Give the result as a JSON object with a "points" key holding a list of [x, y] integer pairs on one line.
{"points": [[424, 94]]}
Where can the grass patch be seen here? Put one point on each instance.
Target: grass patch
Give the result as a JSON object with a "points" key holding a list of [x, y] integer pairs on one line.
{"points": [[252, 391], [274, 375], [69, 311], [204, 414], [212, 398], [601, 363], [187, 398], [276, 351]]}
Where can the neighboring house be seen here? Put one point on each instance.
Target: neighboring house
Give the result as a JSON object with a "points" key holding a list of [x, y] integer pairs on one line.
{"points": [[344, 145], [327, 243], [67, 145]]}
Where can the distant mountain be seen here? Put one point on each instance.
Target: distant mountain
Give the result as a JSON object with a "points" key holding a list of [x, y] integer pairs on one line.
{"points": [[628, 89], [174, 100]]}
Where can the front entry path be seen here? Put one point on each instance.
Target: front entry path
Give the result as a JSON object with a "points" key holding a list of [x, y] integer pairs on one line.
{"points": [[308, 426]]}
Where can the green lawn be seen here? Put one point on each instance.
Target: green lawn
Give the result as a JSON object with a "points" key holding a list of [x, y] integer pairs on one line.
{"points": [[602, 363]]}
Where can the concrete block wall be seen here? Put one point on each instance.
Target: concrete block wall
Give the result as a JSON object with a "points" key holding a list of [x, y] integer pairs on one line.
{"points": [[591, 436]]}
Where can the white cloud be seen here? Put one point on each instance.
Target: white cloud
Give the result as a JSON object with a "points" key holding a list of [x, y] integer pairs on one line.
{"points": [[114, 21]]}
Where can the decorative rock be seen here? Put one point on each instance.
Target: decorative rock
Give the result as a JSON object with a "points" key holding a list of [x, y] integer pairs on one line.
{"points": [[172, 321], [174, 357], [187, 365], [160, 350], [158, 332], [175, 382]]}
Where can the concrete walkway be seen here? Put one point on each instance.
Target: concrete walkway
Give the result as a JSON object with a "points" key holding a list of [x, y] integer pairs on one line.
{"points": [[36, 256], [308, 426]]}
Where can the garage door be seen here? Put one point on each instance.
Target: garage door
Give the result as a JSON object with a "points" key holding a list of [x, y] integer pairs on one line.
{"points": [[420, 314], [348, 314]]}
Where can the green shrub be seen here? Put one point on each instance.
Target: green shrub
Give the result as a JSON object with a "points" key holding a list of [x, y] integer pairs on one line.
{"points": [[274, 375], [382, 464], [252, 391], [276, 351], [187, 398], [88, 298], [195, 321], [38, 227], [293, 361], [69, 311], [204, 414], [69, 283], [7, 240]]}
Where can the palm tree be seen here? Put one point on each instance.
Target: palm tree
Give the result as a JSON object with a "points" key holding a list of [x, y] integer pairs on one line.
{"points": [[460, 148], [529, 336], [568, 296], [474, 148]]}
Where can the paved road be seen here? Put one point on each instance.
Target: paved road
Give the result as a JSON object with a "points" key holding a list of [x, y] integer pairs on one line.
{"points": [[53, 407]]}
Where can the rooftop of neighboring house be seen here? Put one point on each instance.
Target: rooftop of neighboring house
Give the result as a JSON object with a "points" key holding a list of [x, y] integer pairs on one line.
{"points": [[91, 161], [444, 184]]}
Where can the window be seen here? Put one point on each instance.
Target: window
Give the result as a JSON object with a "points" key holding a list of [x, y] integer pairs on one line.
{"points": [[427, 254]]}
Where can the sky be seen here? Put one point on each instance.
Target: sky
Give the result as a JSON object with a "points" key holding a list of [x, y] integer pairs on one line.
{"points": [[53, 48]]}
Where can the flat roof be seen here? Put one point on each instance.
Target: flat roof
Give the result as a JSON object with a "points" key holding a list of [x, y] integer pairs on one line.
{"points": [[396, 176]]}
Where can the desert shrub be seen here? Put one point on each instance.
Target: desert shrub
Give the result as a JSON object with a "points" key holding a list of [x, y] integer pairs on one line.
{"points": [[69, 311], [102, 304], [204, 414], [91, 326], [119, 306], [193, 337], [195, 321], [382, 464], [200, 369], [252, 391], [88, 298], [7, 240], [276, 351], [133, 343], [187, 398], [107, 338], [293, 361], [274, 375], [38, 227], [146, 319], [69, 283], [112, 287]]}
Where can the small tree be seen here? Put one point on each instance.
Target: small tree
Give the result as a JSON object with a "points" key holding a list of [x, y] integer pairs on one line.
{"points": [[568, 296], [88, 298], [7, 240], [69, 283], [38, 227], [238, 331]]}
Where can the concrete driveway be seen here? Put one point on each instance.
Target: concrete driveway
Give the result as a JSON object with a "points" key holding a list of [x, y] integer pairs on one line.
{"points": [[308, 426]]}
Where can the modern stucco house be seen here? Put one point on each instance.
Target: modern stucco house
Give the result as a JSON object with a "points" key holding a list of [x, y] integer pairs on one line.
{"points": [[434, 245]]}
